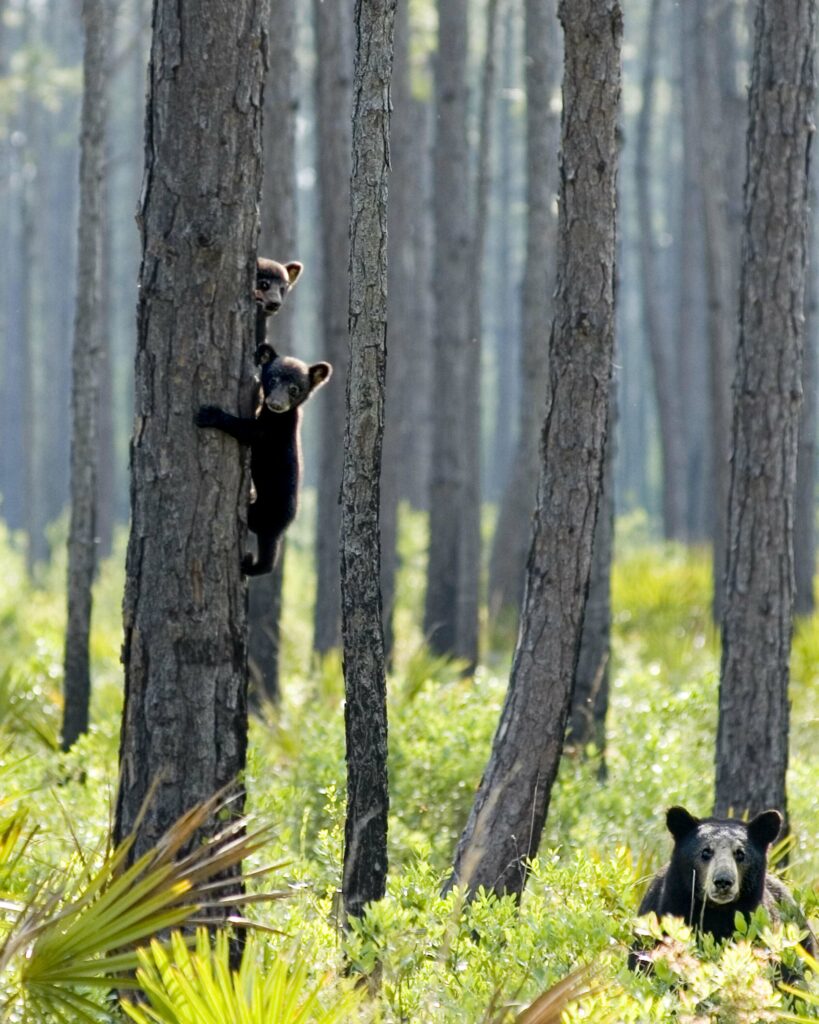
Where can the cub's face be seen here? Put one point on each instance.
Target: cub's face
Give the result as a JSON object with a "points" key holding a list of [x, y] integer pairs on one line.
{"points": [[287, 382], [273, 282], [724, 857]]}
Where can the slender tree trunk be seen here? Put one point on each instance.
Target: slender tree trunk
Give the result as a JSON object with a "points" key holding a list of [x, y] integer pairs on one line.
{"points": [[333, 82], [804, 513], [277, 241], [84, 381], [469, 559], [506, 821], [365, 709], [752, 736], [507, 568], [691, 337], [666, 382], [452, 256], [721, 305], [402, 338], [185, 650]]}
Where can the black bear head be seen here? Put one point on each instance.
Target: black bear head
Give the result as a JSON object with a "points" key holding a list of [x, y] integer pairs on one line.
{"points": [[287, 382], [724, 858], [273, 281]]}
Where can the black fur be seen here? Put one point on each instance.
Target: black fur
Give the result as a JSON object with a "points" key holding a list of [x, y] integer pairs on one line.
{"points": [[275, 447], [718, 867]]}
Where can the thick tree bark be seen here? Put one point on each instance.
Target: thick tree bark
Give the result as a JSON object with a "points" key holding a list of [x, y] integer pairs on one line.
{"points": [[752, 736], [452, 256], [185, 649], [506, 821], [87, 346], [663, 363], [365, 709], [277, 240], [333, 90], [510, 546], [469, 558], [402, 338], [590, 699]]}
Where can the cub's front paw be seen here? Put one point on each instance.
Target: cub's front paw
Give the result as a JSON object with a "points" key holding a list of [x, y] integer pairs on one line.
{"points": [[209, 416]]}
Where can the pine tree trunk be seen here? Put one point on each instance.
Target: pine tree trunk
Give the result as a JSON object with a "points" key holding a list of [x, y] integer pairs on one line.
{"points": [[510, 546], [277, 240], [185, 649], [84, 381], [452, 255], [506, 821], [365, 709], [666, 381], [752, 736], [333, 76], [469, 558]]}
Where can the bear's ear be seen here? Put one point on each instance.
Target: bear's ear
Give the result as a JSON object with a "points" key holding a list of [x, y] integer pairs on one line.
{"points": [[764, 828], [319, 373], [293, 270], [264, 354], [680, 823]]}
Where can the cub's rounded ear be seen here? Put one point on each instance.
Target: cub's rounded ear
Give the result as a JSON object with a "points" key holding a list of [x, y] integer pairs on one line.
{"points": [[764, 828], [264, 354], [319, 374], [293, 270], [680, 823]]}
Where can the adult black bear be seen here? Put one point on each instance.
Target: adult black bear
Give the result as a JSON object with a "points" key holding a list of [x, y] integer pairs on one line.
{"points": [[275, 446], [718, 867]]}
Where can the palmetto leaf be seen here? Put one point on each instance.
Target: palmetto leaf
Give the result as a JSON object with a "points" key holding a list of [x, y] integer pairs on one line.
{"points": [[69, 941], [185, 986]]}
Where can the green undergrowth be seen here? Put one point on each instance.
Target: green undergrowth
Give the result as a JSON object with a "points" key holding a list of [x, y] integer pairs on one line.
{"points": [[438, 959]]}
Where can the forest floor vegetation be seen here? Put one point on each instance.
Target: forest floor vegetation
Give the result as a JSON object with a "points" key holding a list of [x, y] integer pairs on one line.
{"points": [[438, 959]]}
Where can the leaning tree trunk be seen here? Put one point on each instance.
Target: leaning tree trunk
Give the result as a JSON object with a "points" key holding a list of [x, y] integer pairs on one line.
{"points": [[507, 818], [185, 650], [277, 240], [365, 684], [663, 362], [452, 257], [510, 545], [752, 736], [333, 76], [85, 360]]}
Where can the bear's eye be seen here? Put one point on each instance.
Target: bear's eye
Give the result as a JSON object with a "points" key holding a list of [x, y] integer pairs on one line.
{"points": [[707, 853], [263, 286], [293, 390], [739, 855]]}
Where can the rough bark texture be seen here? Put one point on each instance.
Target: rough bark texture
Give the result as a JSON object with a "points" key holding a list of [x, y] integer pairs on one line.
{"points": [[365, 709], [185, 650], [452, 255], [590, 699], [507, 569], [663, 363], [277, 240], [506, 821], [752, 736], [84, 381], [402, 339], [334, 66]]}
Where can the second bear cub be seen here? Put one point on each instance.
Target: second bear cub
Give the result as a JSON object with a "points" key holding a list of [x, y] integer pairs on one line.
{"points": [[275, 447]]}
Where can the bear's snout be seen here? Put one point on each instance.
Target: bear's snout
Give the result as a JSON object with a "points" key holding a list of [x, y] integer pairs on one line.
{"points": [[722, 880]]}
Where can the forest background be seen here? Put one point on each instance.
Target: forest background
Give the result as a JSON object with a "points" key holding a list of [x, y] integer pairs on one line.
{"points": [[683, 121]]}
